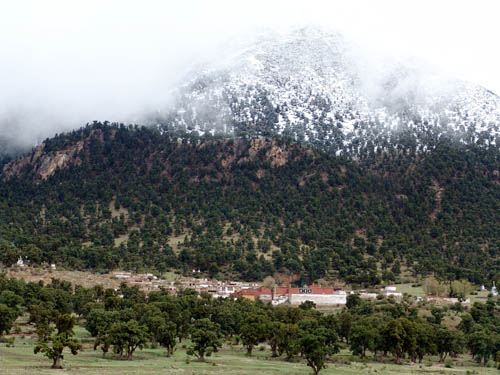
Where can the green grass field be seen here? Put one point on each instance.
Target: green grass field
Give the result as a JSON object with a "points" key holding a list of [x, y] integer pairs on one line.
{"points": [[410, 290], [20, 360]]}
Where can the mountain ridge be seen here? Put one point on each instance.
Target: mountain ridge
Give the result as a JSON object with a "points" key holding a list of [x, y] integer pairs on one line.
{"points": [[244, 208], [269, 167], [310, 85]]}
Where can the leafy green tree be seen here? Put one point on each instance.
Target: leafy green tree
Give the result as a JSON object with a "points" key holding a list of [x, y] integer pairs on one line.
{"points": [[353, 300], [448, 341], [103, 340], [426, 340], [11, 300], [7, 318], [483, 344], [98, 323], [400, 337], [228, 316], [345, 325], [364, 335], [253, 330], [437, 315], [287, 340], [466, 325], [42, 318], [273, 336], [183, 324], [315, 351], [93, 321], [307, 305], [460, 289], [52, 346], [83, 299], [205, 338], [9, 254], [126, 337], [153, 319], [167, 334]]}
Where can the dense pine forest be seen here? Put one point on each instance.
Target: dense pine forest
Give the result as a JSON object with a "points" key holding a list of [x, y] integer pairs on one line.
{"points": [[110, 195]]}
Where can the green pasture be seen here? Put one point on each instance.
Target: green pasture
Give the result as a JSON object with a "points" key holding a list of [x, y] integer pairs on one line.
{"points": [[20, 360]]}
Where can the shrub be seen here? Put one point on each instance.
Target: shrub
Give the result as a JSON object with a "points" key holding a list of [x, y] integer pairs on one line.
{"points": [[10, 342]]}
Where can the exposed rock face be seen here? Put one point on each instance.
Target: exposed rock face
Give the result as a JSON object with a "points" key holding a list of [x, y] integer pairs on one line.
{"points": [[43, 164], [277, 155]]}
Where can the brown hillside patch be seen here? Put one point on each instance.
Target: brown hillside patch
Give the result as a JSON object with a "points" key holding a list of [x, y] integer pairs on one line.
{"points": [[438, 190]]}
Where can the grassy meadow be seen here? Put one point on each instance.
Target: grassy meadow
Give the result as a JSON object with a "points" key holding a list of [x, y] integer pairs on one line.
{"points": [[20, 360]]}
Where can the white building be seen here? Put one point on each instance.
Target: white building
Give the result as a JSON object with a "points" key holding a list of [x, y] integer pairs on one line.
{"points": [[391, 291]]}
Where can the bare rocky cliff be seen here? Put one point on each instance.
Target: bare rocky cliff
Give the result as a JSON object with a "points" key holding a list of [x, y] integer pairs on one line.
{"points": [[43, 164]]}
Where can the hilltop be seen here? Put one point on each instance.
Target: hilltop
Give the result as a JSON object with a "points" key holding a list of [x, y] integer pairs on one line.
{"points": [[319, 88], [110, 196]]}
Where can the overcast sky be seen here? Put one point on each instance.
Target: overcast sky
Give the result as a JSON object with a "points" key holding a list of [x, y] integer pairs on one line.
{"points": [[64, 63]]}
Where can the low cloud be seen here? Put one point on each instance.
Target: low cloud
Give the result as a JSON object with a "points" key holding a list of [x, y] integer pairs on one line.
{"points": [[63, 64]]}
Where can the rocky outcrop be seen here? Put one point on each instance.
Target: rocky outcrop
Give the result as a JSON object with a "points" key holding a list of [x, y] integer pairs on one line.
{"points": [[44, 165]]}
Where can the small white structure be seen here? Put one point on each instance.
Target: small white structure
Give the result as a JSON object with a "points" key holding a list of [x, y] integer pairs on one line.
{"points": [[494, 291], [53, 266], [122, 276], [279, 300], [366, 295], [337, 298], [391, 291], [394, 294], [221, 291], [20, 262]]}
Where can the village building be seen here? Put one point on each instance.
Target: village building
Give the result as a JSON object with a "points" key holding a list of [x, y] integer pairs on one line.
{"points": [[295, 296], [122, 275], [391, 291], [366, 295], [223, 291]]}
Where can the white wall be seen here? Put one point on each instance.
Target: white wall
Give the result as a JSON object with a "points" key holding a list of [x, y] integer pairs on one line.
{"points": [[318, 299]]}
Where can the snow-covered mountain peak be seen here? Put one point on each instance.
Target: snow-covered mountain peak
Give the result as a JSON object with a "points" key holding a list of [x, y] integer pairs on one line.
{"points": [[318, 87]]}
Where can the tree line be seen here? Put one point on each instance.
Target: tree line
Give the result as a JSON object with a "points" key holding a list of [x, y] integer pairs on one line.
{"points": [[127, 319]]}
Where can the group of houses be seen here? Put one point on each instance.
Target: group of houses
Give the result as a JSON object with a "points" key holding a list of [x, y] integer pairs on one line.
{"points": [[276, 295], [295, 296], [318, 295]]}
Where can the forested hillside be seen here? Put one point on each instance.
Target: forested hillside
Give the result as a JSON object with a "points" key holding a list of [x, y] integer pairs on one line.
{"points": [[108, 196]]}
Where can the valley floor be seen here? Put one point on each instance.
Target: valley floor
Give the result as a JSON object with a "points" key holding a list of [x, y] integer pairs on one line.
{"points": [[20, 360]]}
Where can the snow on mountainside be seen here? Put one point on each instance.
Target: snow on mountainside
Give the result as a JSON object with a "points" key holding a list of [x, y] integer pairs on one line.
{"points": [[314, 86]]}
